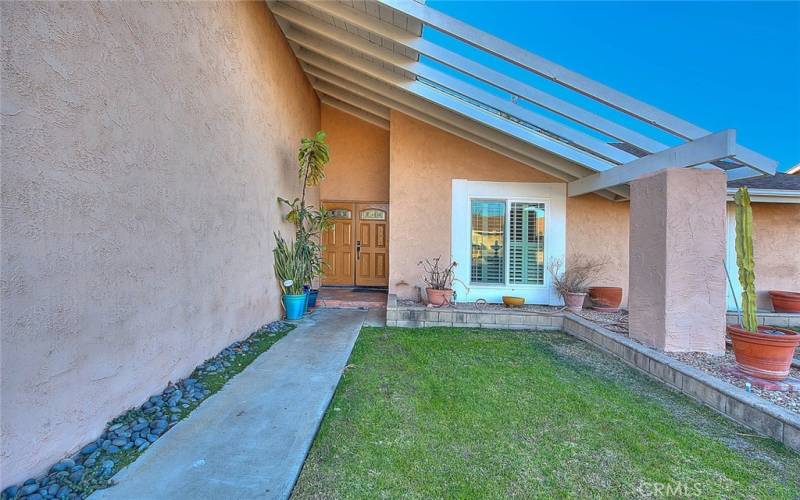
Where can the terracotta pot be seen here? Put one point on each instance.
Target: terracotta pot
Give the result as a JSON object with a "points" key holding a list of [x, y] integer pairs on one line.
{"points": [[574, 301], [785, 302], [510, 301], [439, 297], [606, 298], [763, 355]]}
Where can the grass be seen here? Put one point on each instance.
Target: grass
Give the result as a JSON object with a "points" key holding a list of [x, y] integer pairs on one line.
{"points": [[467, 413]]}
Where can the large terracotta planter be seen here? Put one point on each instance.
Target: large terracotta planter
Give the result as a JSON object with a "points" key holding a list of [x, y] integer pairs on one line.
{"points": [[785, 302], [763, 355], [606, 298], [439, 297], [574, 301]]}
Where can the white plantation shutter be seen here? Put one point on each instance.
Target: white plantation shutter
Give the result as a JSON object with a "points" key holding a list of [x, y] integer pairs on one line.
{"points": [[526, 243], [488, 241]]}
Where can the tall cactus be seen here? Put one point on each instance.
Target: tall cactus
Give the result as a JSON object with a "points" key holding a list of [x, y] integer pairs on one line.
{"points": [[744, 259]]}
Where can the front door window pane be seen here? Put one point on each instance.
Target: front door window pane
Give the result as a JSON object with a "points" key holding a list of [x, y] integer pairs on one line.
{"points": [[488, 237]]}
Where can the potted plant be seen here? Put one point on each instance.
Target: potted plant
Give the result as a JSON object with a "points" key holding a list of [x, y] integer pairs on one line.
{"points": [[309, 222], [290, 270], [785, 302], [762, 351], [573, 282], [605, 298], [439, 281]]}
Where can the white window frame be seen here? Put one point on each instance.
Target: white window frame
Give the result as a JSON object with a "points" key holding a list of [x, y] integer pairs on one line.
{"points": [[733, 286], [552, 195]]}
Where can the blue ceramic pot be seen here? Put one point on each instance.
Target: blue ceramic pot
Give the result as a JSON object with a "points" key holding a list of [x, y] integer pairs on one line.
{"points": [[295, 305]]}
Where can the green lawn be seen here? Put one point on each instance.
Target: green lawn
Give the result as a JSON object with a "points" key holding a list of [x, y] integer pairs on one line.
{"points": [[468, 413]]}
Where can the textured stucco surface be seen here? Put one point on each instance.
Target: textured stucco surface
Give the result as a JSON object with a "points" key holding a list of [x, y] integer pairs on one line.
{"points": [[776, 246], [677, 249], [599, 228], [359, 166], [423, 162], [143, 148]]}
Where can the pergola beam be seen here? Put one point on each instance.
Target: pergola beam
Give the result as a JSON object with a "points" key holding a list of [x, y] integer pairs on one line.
{"points": [[570, 135], [358, 83], [709, 148], [460, 106], [568, 78], [488, 75], [343, 82]]}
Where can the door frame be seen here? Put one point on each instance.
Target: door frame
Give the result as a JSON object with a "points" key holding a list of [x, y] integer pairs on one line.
{"points": [[354, 204]]}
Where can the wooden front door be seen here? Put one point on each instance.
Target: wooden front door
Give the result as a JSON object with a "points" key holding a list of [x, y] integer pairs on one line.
{"points": [[339, 246], [356, 248], [372, 244]]}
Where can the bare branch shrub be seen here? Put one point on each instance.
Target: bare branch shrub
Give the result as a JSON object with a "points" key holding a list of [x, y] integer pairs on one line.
{"points": [[580, 274], [436, 276]]}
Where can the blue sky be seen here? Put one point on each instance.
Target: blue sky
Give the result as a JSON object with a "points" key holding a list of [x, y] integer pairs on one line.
{"points": [[716, 64]]}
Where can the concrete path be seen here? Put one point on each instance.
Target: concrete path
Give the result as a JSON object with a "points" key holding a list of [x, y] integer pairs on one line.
{"points": [[250, 439]]}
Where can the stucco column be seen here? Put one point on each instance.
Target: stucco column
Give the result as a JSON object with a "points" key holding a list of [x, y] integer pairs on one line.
{"points": [[677, 249]]}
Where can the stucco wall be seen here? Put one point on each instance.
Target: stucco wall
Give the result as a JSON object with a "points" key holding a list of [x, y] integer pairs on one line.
{"points": [[143, 148], [677, 250], [424, 160], [599, 228], [359, 166], [776, 246]]}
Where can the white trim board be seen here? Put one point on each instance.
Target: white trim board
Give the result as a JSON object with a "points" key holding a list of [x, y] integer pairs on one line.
{"points": [[553, 195], [769, 195]]}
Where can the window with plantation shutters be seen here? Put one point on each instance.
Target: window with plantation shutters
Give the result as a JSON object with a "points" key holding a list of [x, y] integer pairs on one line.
{"points": [[507, 240], [488, 241], [526, 243]]}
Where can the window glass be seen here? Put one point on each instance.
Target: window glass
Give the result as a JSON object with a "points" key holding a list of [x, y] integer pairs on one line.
{"points": [[526, 243], [341, 213], [372, 214], [488, 237]]}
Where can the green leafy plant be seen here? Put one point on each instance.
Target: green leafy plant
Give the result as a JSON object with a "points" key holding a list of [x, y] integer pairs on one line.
{"points": [[309, 222], [290, 265], [745, 260]]}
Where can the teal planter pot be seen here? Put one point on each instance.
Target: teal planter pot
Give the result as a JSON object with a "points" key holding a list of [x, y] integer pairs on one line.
{"points": [[305, 305], [295, 305]]}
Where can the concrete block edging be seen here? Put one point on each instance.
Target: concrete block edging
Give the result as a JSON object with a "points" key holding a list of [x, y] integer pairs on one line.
{"points": [[417, 316], [749, 410]]}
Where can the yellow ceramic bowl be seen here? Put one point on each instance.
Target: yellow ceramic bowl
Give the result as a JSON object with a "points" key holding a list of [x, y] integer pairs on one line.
{"points": [[510, 301]]}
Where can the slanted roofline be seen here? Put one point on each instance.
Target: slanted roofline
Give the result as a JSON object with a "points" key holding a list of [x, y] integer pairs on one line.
{"points": [[347, 48]]}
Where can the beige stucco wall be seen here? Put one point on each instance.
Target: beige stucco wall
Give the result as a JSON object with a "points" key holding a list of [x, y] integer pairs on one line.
{"points": [[677, 251], [424, 160], [359, 166], [776, 247], [143, 148], [599, 227]]}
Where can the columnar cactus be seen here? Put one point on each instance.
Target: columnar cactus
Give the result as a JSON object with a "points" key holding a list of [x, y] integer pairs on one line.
{"points": [[744, 259]]}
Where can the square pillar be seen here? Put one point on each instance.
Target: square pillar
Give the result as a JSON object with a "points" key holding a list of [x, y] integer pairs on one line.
{"points": [[677, 251]]}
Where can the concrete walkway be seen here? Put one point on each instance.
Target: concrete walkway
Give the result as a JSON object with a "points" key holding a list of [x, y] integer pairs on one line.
{"points": [[250, 439]]}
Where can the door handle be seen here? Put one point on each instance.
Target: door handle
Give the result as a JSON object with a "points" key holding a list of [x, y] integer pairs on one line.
{"points": [[358, 249]]}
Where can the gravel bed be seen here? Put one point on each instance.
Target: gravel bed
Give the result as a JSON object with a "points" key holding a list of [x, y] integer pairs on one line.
{"points": [[715, 365]]}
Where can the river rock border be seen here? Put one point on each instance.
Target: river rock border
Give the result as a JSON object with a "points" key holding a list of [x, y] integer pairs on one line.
{"points": [[740, 406], [131, 433]]}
